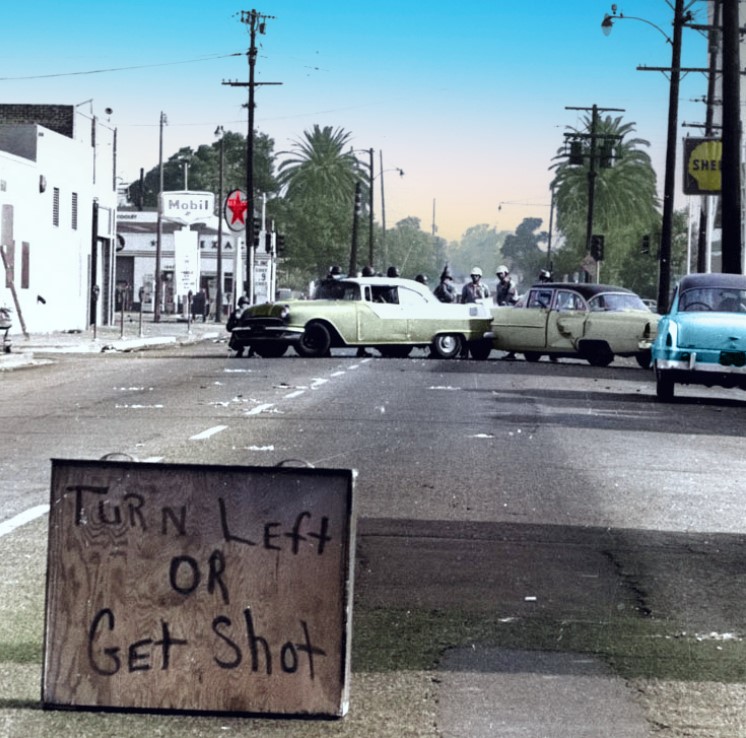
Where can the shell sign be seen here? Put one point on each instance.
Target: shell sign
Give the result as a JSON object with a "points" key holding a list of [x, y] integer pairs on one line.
{"points": [[703, 159]]}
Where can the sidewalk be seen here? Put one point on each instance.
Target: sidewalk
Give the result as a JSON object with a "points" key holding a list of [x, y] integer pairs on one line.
{"points": [[34, 350]]}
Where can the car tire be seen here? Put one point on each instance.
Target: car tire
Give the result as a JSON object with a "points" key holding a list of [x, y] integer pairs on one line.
{"points": [[480, 350], [315, 341], [394, 352], [271, 350], [664, 386], [643, 359], [600, 359], [531, 356], [446, 346]]}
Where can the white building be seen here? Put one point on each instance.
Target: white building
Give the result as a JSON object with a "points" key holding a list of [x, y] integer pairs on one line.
{"points": [[57, 217]]}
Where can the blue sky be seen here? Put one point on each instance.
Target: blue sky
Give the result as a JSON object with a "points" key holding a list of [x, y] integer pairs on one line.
{"points": [[468, 98]]}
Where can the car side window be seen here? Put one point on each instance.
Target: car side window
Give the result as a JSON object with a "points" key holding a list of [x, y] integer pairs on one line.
{"points": [[539, 299], [567, 300], [385, 294], [410, 297], [599, 303]]}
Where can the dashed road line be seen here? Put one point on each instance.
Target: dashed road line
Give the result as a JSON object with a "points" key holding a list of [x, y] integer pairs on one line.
{"points": [[27, 516], [207, 433], [260, 408]]}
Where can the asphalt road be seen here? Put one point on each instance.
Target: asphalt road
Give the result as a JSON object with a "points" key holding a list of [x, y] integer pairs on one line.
{"points": [[521, 507]]}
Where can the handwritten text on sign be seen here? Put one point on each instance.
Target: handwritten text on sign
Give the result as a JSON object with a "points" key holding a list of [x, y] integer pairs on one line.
{"points": [[186, 587]]}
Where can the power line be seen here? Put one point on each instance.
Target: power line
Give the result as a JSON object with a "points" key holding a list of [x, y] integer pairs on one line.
{"points": [[120, 69]]}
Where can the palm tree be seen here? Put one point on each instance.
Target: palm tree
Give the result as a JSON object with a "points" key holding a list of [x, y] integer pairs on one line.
{"points": [[319, 167], [319, 176], [625, 200]]}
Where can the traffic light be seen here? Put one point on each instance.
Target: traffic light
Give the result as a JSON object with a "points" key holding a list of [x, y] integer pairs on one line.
{"points": [[645, 246], [256, 225], [268, 242], [576, 152], [280, 243], [606, 156], [597, 247]]}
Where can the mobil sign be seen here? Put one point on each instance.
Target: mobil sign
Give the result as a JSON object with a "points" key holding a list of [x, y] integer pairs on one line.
{"points": [[186, 206]]}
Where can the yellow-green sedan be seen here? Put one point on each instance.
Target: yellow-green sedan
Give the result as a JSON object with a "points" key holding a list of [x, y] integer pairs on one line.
{"points": [[595, 322], [391, 315]]}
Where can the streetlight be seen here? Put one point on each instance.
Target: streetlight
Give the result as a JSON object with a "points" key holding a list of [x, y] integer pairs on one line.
{"points": [[372, 178], [383, 204], [680, 18]]}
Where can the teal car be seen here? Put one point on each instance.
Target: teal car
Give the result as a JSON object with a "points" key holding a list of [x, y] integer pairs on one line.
{"points": [[391, 315], [702, 340]]}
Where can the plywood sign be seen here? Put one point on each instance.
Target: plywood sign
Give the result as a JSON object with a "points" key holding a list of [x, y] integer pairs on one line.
{"points": [[206, 588]]}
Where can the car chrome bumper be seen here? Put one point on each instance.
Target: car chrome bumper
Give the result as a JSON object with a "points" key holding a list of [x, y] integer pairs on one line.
{"points": [[691, 365], [257, 334]]}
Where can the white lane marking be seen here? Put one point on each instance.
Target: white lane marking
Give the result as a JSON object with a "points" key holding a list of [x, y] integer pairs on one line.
{"points": [[318, 382], [260, 408], [22, 518], [138, 407], [295, 394], [153, 459], [207, 433], [338, 374]]}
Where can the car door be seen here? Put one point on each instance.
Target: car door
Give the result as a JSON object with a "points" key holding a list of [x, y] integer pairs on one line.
{"points": [[615, 319], [523, 328], [382, 318], [566, 321]]}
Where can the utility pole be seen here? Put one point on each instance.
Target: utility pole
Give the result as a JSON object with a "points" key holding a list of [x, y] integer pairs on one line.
{"points": [[370, 214], [384, 251], [219, 287], [703, 247], [257, 24], [731, 172], [355, 220], [159, 229]]}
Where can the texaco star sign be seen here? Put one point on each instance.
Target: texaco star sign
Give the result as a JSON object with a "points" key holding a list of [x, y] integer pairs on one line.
{"points": [[235, 210]]}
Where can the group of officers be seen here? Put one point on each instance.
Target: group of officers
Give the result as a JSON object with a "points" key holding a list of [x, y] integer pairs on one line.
{"points": [[506, 292], [476, 290]]}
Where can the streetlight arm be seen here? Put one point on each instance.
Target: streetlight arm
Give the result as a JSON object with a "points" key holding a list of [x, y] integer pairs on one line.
{"points": [[608, 23]]}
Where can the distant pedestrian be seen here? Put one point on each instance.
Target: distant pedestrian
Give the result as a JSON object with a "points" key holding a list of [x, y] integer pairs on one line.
{"points": [[200, 305], [421, 278], [475, 290], [545, 276], [445, 291], [505, 291], [235, 316]]}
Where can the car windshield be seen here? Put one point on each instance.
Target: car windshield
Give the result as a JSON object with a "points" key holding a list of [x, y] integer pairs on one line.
{"points": [[616, 302], [713, 299]]}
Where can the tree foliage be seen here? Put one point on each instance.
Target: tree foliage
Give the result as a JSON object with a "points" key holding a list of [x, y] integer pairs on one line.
{"points": [[203, 170], [523, 254], [481, 245]]}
